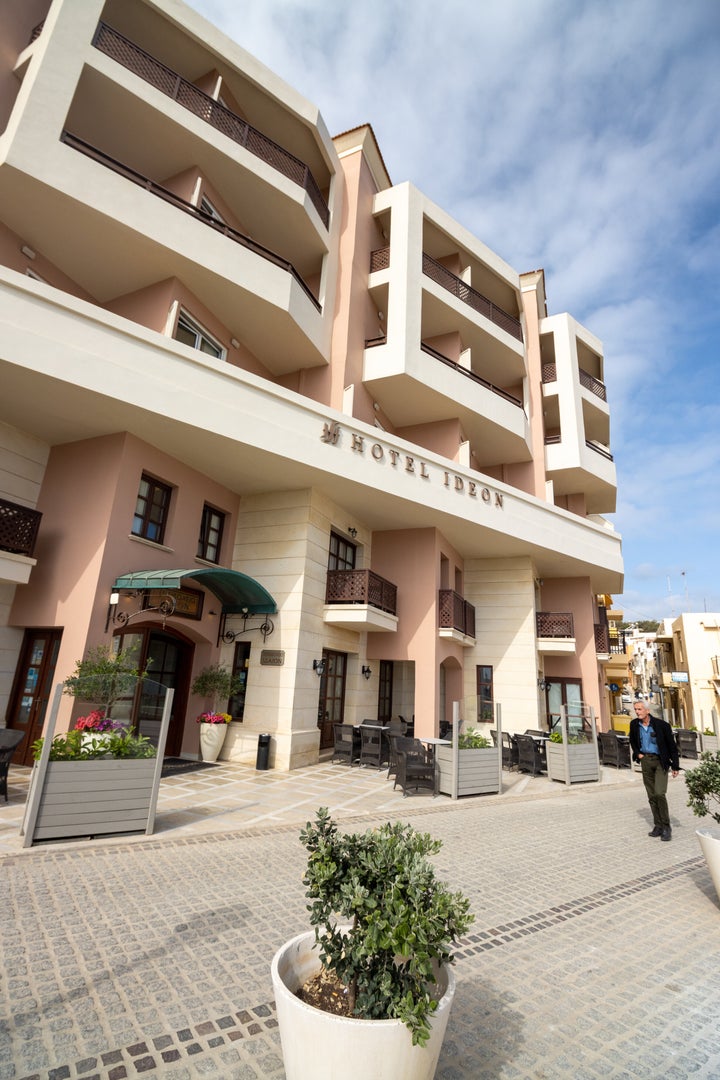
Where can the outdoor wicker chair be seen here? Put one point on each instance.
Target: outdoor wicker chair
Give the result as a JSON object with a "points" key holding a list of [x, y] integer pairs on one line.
{"points": [[371, 745], [614, 752], [510, 752], [9, 741], [414, 769], [344, 748], [530, 759]]}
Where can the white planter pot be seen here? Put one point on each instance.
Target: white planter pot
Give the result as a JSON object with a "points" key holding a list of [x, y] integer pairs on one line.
{"points": [[212, 737], [709, 743], [320, 1046], [710, 845]]}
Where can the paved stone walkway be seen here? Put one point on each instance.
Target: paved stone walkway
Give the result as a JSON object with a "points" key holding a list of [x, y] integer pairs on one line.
{"points": [[592, 955]]}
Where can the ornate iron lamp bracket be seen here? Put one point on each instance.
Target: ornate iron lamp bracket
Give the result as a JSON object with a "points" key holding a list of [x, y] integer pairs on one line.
{"points": [[265, 627]]}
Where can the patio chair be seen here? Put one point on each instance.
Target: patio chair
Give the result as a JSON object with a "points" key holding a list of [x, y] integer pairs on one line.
{"points": [[530, 759], [686, 743], [9, 741], [344, 746], [494, 736], [510, 752], [414, 769], [371, 745], [614, 751]]}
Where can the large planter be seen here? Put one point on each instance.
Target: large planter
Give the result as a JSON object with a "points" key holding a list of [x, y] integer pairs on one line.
{"points": [[212, 737], [709, 743], [320, 1046], [576, 763], [478, 771], [92, 798], [710, 845]]}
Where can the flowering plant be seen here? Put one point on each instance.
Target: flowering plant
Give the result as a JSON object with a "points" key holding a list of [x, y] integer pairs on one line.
{"points": [[214, 718], [96, 721]]}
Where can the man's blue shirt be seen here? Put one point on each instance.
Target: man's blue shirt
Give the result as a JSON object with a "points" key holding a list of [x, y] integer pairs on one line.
{"points": [[648, 742]]}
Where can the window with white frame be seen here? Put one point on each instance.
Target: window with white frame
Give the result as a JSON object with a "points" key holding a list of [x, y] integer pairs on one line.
{"points": [[193, 334]]}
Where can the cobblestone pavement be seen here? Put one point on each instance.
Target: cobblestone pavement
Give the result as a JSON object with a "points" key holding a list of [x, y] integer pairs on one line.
{"points": [[592, 955]]}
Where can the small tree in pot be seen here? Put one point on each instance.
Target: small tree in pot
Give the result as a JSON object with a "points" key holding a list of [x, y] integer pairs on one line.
{"points": [[384, 927], [703, 786]]}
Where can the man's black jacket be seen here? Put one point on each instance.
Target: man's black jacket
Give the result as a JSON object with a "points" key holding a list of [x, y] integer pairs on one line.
{"points": [[667, 747]]}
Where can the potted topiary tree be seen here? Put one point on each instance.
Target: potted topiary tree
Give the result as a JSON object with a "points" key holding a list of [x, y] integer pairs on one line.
{"points": [[703, 786], [368, 993], [217, 685]]}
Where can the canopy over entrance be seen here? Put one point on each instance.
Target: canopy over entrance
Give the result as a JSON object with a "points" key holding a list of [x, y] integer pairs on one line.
{"points": [[238, 593]]}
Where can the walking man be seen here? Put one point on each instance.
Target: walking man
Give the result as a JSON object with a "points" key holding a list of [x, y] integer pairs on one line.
{"points": [[653, 745]]}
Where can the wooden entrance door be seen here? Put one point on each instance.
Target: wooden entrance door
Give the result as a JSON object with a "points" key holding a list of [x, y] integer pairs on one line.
{"points": [[170, 658], [331, 704], [33, 688]]}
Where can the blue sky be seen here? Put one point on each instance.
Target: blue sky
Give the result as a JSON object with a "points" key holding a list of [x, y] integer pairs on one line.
{"points": [[584, 138]]}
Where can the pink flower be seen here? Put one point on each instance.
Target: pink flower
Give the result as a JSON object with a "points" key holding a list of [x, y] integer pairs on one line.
{"points": [[214, 718]]}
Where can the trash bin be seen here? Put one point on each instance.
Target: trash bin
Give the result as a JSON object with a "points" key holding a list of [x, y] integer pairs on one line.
{"points": [[263, 752]]}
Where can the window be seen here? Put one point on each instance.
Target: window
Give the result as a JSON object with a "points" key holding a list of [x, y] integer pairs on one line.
{"points": [[191, 333], [207, 207], [151, 510], [211, 531], [485, 705], [342, 553]]}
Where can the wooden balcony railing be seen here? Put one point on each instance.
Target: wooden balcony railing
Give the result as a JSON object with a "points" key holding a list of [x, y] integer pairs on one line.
{"points": [[18, 528], [602, 450], [443, 277], [618, 643], [554, 624], [591, 383], [380, 260], [455, 613], [169, 82], [188, 208], [602, 638], [549, 372], [36, 32], [470, 374], [361, 587]]}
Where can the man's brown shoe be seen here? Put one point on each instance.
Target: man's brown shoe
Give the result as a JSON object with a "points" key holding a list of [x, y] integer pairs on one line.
{"points": [[657, 831]]}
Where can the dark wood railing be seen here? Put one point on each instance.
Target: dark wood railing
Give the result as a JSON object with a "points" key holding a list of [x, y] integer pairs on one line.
{"points": [[591, 383], [187, 207], [443, 277], [549, 372], [602, 638], [599, 449], [18, 528], [380, 260], [618, 643], [554, 624], [470, 374], [169, 82], [455, 613], [36, 32], [361, 587]]}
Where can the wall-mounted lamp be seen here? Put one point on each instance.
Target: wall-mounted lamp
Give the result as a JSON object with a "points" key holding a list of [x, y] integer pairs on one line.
{"points": [[366, 671], [27, 251], [352, 530], [319, 667], [543, 684]]}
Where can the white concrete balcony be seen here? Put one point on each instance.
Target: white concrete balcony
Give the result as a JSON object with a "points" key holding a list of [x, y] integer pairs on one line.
{"points": [[421, 386]]}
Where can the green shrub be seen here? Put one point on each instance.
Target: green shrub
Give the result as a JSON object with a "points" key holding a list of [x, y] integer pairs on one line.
{"points": [[81, 746], [703, 785], [402, 919], [473, 740]]}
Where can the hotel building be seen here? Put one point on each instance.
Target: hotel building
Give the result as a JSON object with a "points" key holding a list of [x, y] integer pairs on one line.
{"points": [[260, 406]]}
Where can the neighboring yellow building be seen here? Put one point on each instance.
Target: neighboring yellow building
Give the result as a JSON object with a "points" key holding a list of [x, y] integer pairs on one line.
{"points": [[689, 669]]}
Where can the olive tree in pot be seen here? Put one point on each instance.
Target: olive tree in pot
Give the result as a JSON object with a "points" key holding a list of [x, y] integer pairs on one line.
{"points": [[703, 785], [217, 685], [368, 993]]}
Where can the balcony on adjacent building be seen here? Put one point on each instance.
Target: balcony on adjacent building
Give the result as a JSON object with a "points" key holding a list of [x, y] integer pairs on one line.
{"points": [[18, 534], [169, 82], [555, 633], [456, 617], [360, 600]]}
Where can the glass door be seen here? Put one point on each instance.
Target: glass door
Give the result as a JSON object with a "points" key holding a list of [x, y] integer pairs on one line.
{"points": [[33, 688], [331, 703]]}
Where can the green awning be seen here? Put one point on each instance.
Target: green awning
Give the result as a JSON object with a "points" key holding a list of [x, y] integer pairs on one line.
{"points": [[238, 593]]}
